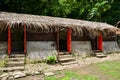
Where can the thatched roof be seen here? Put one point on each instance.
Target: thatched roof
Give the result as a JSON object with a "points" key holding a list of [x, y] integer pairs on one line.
{"points": [[52, 24]]}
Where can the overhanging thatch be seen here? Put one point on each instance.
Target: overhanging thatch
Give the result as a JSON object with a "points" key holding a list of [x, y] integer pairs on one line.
{"points": [[52, 24]]}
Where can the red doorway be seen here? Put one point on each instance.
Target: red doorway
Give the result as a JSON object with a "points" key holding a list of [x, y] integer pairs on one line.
{"points": [[97, 43], [64, 40], [16, 40]]}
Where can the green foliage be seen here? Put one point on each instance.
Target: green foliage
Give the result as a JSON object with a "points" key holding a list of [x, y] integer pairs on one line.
{"points": [[98, 9], [112, 16], [51, 59], [70, 75]]}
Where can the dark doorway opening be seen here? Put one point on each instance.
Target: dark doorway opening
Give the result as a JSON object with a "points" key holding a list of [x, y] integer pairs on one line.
{"points": [[94, 44], [63, 41], [17, 43]]}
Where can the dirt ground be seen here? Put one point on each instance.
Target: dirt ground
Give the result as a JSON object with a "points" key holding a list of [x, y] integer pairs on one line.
{"points": [[84, 66]]}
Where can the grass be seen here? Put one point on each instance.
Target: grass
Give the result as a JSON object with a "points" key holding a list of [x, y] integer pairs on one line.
{"points": [[2, 62], [108, 69], [111, 68], [70, 75]]}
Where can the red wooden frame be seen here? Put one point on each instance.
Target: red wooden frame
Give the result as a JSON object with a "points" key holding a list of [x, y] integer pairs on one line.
{"points": [[100, 40], [9, 40], [24, 38], [69, 40]]}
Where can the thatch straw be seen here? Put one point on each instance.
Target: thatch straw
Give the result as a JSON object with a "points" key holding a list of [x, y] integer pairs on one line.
{"points": [[52, 24]]}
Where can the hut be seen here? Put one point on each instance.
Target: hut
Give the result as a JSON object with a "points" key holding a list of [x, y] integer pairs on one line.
{"points": [[41, 36]]}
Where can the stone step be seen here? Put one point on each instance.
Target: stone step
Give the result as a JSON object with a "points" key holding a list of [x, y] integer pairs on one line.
{"points": [[16, 59], [66, 59], [69, 63], [8, 69], [12, 63], [64, 56], [63, 53], [17, 55], [100, 54]]}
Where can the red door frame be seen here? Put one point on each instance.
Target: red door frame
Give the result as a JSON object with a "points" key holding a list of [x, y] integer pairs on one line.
{"points": [[69, 40], [25, 39], [100, 44], [9, 40]]}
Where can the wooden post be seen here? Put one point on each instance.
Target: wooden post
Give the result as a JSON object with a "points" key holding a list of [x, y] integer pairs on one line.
{"points": [[24, 38], [69, 40], [9, 40], [100, 40], [58, 35]]}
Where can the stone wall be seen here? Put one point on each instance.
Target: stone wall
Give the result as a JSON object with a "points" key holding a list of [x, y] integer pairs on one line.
{"points": [[110, 46], [3, 49], [81, 48], [41, 49]]}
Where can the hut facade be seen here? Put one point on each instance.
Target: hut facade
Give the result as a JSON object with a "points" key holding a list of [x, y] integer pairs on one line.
{"points": [[41, 36]]}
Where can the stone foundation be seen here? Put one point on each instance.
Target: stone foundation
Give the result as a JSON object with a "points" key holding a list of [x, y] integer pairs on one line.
{"points": [[41, 49]]}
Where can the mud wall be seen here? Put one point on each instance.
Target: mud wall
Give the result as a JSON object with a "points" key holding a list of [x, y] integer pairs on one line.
{"points": [[41, 49], [3, 49], [110, 46], [81, 48]]}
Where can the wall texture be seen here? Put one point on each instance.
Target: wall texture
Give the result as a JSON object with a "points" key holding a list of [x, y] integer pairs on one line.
{"points": [[41, 49], [110, 46], [3, 49], [81, 47]]}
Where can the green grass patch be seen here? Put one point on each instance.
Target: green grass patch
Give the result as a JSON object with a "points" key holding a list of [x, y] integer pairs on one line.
{"points": [[70, 75], [2, 62], [111, 68]]}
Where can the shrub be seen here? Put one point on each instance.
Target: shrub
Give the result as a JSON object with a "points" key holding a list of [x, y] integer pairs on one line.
{"points": [[51, 59]]}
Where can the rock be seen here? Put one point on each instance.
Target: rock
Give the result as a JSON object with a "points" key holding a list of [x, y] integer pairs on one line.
{"points": [[36, 72], [4, 78], [49, 74], [19, 75], [28, 73], [40, 79], [11, 78], [40, 70], [4, 75]]}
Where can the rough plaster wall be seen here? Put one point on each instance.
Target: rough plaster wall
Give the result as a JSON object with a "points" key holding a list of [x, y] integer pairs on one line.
{"points": [[81, 47], [41, 49], [3, 49], [110, 46]]}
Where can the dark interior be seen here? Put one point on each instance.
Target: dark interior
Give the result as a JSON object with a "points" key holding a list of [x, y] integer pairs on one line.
{"points": [[63, 41], [17, 41], [94, 44]]}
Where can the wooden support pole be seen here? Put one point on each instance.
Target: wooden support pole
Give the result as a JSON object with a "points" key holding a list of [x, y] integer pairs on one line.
{"points": [[69, 40], [100, 40], [24, 38], [58, 35], [9, 40]]}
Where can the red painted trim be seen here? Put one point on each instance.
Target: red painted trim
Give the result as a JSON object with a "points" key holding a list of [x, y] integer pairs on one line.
{"points": [[100, 40], [69, 40], [9, 40], [24, 39]]}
